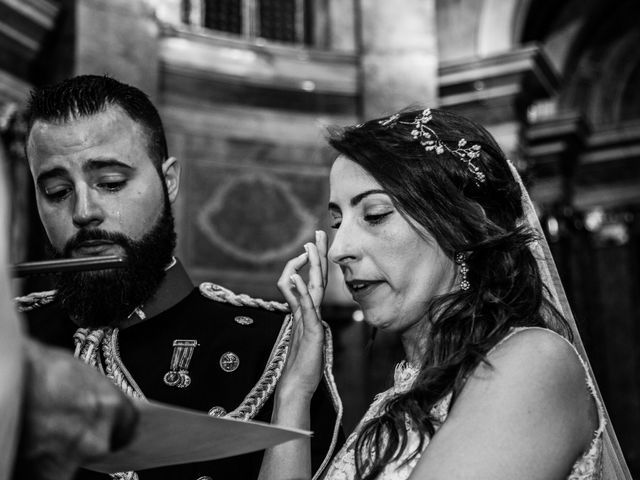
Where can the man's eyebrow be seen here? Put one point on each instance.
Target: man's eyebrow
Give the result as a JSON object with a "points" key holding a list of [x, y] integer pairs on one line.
{"points": [[91, 166], [100, 163], [54, 172], [358, 198]]}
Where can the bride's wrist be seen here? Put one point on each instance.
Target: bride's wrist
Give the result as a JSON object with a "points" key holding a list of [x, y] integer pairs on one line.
{"points": [[292, 410], [293, 395]]}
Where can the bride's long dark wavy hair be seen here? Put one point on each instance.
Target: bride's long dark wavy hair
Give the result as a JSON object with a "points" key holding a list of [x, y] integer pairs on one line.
{"points": [[482, 219]]}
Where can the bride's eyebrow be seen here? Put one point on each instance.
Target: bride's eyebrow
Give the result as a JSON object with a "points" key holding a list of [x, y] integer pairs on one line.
{"points": [[357, 199], [361, 196]]}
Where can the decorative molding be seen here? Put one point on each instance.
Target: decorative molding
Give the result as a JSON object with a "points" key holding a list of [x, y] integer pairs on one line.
{"points": [[42, 12], [619, 194], [217, 204], [249, 123], [25, 22], [570, 162], [13, 88], [611, 159], [552, 146], [620, 135], [525, 75], [202, 54]]}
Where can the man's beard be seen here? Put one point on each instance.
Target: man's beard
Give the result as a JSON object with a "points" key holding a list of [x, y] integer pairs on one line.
{"points": [[107, 297]]}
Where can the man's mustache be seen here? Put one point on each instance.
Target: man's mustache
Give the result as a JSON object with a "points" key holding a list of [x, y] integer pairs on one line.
{"points": [[93, 234]]}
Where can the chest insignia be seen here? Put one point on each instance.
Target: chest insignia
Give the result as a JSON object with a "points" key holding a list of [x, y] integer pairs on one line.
{"points": [[229, 362], [178, 374], [242, 320]]}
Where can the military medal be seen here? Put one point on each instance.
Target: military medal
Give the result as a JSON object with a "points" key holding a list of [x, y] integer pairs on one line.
{"points": [[178, 375]]}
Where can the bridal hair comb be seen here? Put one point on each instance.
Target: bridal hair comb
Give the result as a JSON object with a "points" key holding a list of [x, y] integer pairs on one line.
{"points": [[430, 140]]}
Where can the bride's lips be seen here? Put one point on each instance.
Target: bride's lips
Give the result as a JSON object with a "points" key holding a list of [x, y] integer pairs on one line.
{"points": [[360, 289]]}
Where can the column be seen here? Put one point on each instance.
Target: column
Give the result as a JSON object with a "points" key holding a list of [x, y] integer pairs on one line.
{"points": [[399, 56]]}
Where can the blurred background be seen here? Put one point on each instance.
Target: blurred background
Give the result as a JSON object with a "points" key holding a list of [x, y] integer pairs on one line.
{"points": [[246, 89]]}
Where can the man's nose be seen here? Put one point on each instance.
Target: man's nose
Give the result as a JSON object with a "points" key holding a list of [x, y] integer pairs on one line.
{"points": [[87, 210]]}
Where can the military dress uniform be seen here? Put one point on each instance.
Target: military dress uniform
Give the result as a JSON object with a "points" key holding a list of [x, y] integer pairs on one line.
{"points": [[202, 348]]}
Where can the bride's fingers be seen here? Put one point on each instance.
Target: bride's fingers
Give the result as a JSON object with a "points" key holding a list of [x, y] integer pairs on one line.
{"points": [[291, 296], [310, 320], [323, 247], [316, 280], [292, 266], [284, 283]]}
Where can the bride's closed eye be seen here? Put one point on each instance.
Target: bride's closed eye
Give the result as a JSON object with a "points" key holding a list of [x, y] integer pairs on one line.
{"points": [[376, 218]]}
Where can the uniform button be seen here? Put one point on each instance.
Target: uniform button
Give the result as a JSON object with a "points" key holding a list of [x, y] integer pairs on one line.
{"points": [[217, 411], [242, 320], [229, 362]]}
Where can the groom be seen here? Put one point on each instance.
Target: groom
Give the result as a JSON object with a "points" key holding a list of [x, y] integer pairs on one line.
{"points": [[105, 185]]}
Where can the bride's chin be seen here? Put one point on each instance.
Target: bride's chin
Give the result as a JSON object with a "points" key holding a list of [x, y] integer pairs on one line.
{"points": [[377, 319]]}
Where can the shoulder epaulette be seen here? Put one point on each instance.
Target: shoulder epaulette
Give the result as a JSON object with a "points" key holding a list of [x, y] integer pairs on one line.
{"points": [[221, 294], [34, 300]]}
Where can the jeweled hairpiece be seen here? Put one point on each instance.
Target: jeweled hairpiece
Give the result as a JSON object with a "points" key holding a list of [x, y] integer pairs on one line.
{"points": [[429, 139]]}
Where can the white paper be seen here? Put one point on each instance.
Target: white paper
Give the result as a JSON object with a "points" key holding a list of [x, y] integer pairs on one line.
{"points": [[168, 435]]}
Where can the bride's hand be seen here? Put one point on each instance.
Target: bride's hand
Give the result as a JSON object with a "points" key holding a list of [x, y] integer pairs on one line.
{"points": [[303, 370]]}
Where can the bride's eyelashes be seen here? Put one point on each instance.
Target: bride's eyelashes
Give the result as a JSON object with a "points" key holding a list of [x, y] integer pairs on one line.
{"points": [[376, 218]]}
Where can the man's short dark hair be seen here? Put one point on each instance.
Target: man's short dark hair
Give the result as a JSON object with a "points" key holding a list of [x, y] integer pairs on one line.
{"points": [[87, 95]]}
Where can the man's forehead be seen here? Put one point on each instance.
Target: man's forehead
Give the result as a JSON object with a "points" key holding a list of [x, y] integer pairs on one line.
{"points": [[112, 126], [111, 116]]}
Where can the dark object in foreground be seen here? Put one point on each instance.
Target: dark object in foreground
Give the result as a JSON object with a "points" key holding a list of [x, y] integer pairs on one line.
{"points": [[49, 267]]}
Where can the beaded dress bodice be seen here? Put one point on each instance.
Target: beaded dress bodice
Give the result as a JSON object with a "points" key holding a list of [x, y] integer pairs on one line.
{"points": [[587, 467]]}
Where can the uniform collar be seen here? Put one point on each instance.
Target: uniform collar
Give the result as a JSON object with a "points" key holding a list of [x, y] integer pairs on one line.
{"points": [[174, 288]]}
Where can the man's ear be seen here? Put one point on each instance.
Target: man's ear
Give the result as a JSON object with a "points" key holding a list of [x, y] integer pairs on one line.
{"points": [[171, 174]]}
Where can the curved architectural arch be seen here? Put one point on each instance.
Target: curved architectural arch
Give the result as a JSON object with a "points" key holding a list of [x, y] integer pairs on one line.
{"points": [[630, 98], [601, 61], [595, 51], [618, 65]]}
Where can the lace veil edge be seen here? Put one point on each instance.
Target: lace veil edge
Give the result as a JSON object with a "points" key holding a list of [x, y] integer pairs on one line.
{"points": [[614, 464]]}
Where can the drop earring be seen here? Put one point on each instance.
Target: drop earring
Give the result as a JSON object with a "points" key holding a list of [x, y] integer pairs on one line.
{"points": [[461, 260]]}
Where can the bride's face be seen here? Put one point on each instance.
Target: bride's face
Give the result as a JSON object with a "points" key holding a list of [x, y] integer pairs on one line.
{"points": [[390, 269]]}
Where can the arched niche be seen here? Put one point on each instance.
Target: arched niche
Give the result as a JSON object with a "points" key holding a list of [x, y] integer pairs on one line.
{"points": [[593, 45], [600, 69]]}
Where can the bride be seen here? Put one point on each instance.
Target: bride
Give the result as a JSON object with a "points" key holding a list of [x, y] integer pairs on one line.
{"points": [[438, 243]]}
